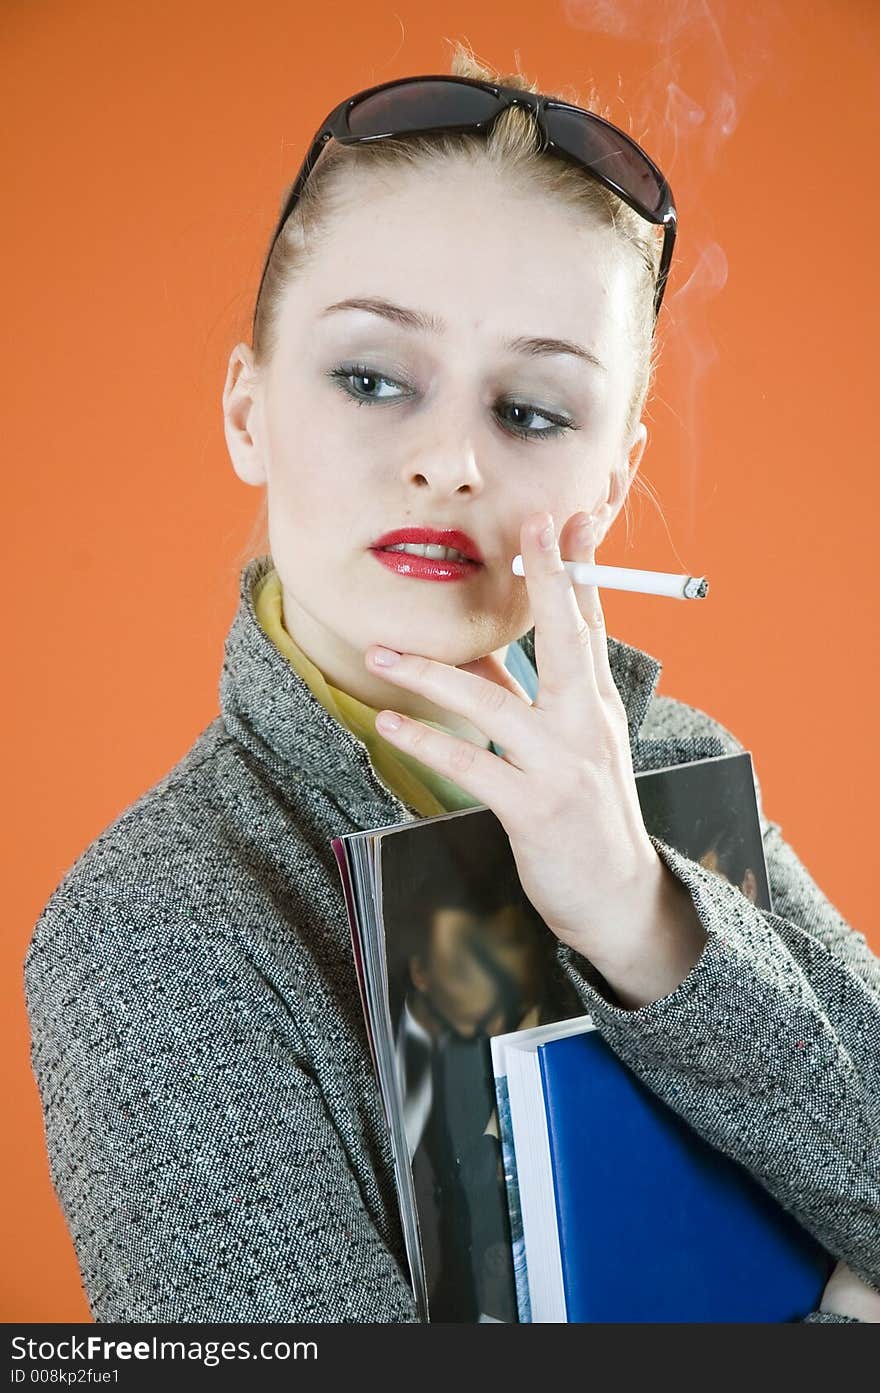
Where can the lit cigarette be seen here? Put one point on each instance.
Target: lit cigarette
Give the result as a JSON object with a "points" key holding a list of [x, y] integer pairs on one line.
{"points": [[624, 578]]}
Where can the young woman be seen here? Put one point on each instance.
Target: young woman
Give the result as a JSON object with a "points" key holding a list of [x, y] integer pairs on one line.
{"points": [[452, 347]]}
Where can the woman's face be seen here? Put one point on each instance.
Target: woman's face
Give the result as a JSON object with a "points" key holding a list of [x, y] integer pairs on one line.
{"points": [[361, 425]]}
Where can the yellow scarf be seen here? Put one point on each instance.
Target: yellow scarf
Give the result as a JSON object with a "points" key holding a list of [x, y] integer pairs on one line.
{"points": [[413, 782]]}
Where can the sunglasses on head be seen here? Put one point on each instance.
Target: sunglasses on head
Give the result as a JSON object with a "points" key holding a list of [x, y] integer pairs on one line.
{"points": [[431, 104]]}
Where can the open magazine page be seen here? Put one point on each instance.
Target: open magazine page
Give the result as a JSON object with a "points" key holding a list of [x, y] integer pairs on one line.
{"points": [[342, 849], [357, 858], [467, 958], [708, 810]]}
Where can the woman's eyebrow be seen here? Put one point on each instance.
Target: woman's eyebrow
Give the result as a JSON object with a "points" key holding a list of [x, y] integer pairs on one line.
{"points": [[429, 323]]}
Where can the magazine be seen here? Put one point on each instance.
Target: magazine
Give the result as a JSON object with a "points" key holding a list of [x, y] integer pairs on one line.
{"points": [[450, 952]]}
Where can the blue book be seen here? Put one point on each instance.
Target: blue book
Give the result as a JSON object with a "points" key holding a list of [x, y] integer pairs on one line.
{"points": [[628, 1214]]}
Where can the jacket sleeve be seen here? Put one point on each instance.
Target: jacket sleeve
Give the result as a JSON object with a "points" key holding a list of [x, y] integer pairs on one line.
{"points": [[199, 1173], [770, 1046]]}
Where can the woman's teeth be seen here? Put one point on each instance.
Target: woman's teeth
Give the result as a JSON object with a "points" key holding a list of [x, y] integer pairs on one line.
{"points": [[429, 549]]}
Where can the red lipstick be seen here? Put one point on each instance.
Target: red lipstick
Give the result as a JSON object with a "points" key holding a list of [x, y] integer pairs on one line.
{"points": [[425, 567]]}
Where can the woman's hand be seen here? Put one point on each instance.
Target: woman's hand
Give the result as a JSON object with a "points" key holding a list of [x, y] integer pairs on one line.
{"points": [[846, 1294], [565, 790]]}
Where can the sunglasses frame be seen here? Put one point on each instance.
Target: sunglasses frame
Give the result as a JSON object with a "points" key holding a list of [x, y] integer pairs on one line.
{"points": [[336, 124]]}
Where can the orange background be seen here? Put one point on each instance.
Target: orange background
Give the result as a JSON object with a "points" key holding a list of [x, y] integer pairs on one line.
{"points": [[148, 152]]}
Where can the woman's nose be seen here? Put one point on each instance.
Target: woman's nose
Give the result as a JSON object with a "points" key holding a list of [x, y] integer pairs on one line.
{"points": [[446, 468]]}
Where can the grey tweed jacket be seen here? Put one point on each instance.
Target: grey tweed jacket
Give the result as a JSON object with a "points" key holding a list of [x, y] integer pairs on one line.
{"points": [[214, 1129]]}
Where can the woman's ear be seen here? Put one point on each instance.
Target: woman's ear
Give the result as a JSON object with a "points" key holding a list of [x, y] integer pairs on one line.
{"points": [[241, 425], [635, 450], [620, 480]]}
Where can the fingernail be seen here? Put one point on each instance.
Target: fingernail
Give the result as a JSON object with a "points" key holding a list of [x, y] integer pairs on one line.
{"points": [[545, 538], [587, 525], [385, 657]]}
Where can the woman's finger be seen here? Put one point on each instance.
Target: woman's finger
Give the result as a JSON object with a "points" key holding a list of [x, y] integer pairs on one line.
{"points": [[563, 648], [494, 782], [500, 710], [578, 543], [492, 669]]}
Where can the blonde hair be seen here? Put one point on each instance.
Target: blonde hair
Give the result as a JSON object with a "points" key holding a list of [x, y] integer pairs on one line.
{"points": [[512, 148]]}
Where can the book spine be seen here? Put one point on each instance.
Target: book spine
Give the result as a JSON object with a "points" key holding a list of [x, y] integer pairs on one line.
{"points": [[560, 1215]]}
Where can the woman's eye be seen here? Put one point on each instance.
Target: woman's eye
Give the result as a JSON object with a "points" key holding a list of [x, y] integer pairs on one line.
{"points": [[556, 427], [363, 380], [359, 383]]}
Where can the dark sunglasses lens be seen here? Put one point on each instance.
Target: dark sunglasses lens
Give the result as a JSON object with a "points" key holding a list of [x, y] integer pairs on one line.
{"points": [[421, 106], [608, 155]]}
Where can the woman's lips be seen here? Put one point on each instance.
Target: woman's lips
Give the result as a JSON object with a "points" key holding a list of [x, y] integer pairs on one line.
{"points": [[424, 567]]}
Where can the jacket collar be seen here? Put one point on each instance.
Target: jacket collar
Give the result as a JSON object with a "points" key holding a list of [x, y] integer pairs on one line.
{"points": [[270, 710]]}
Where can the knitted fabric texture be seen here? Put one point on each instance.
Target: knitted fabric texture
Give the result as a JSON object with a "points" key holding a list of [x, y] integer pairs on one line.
{"points": [[214, 1129]]}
